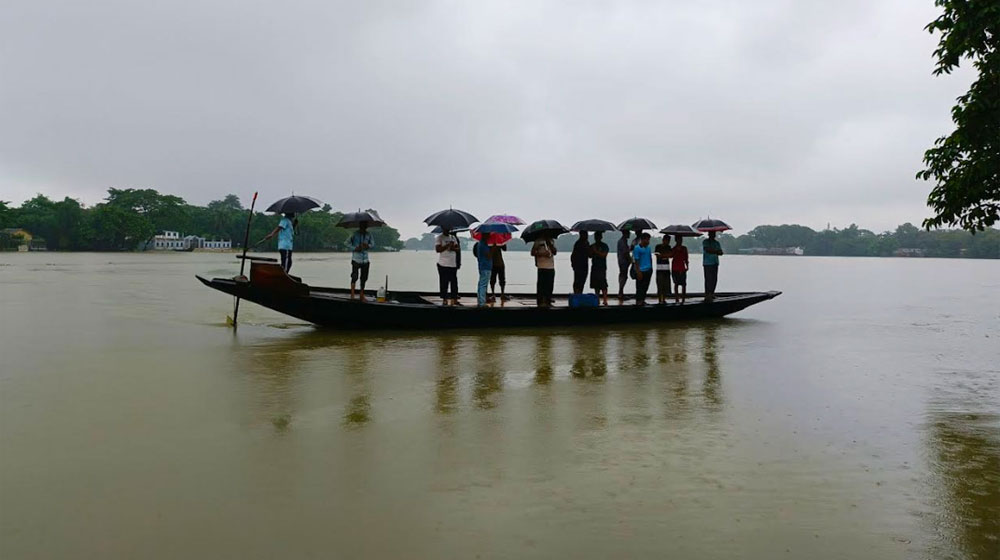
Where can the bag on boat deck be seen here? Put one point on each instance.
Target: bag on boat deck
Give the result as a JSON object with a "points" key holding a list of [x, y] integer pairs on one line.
{"points": [[583, 300]]}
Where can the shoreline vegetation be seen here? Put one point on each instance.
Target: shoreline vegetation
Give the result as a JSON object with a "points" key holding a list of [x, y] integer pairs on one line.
{"points": [[790, 239], [129, 218]]}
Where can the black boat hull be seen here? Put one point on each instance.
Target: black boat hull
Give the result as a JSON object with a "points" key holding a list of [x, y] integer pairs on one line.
{"points": [[332, 307]]}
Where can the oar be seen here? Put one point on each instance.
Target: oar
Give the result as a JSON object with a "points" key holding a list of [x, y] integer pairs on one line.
{"points": [[243, 261]]}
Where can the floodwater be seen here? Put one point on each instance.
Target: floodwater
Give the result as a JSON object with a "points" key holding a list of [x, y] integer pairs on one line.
{"points": [[855, 416]]}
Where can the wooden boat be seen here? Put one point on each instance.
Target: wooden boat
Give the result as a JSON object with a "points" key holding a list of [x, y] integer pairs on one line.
{"points": [[271, 287]]}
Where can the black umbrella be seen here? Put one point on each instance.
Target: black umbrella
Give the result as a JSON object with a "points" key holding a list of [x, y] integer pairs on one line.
{"points": [[708, 224], [543, 228], [593, 225], [681, 230], [294, 204], [355, 219], [437, 229], [451, 219], [636, 224]]}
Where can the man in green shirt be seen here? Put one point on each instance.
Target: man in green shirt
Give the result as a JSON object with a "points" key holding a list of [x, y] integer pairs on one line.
{"points": [[711, 249]]}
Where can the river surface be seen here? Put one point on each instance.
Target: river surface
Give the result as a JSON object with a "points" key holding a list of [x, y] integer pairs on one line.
{"points": [[855, 416]]}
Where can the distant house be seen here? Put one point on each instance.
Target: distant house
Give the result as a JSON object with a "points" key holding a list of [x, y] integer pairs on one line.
{"points": [[195, 242], [28, 242], [167, 240], [172, 240], [908, 252], [796, 251]]}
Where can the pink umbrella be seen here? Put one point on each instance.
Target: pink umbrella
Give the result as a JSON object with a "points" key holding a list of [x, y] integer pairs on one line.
{"points": [[504, 219]]}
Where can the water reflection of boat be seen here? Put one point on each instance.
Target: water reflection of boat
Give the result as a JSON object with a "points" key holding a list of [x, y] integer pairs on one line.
{"points": [[270, 287]]}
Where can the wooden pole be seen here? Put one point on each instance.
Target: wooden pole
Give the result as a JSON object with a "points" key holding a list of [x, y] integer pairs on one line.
{"points": [[243, 261]]}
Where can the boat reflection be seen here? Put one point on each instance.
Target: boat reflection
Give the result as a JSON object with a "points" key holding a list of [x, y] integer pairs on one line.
{"points": [[357, 412], [470, 371], [446, 386]]}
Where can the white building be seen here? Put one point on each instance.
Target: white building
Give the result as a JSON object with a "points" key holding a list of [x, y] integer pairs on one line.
{"points": [[170, 240]]}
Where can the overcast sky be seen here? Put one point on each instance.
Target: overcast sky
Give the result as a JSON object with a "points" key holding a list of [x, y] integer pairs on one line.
{"points": [[771, 111]]}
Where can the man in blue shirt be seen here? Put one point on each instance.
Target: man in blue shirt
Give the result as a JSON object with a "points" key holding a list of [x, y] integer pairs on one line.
{"points": [[360, 242], [642, 255], [285, 232], [710, 251], [485, 260]]}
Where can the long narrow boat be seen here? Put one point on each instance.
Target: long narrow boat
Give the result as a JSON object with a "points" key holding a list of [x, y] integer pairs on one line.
{"points": [[271, 287]]}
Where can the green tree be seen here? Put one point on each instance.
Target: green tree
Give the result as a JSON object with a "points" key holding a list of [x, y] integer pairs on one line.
{"points": [[114, 228], [6, 214], [164, 211], [965, 165]]}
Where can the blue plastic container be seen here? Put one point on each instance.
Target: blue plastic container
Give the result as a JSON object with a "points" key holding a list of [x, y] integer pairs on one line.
{"points": [[583, 300]]}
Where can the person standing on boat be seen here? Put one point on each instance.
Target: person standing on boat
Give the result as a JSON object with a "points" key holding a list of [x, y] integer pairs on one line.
{"points": [[498, 271], [679, 268], [662, 253], [360, 242], [599, 266], [711, 250], [580, 261], [447, 247], [642, 255], [285, 232], [544, 251], [481, 250], [624, 252]]}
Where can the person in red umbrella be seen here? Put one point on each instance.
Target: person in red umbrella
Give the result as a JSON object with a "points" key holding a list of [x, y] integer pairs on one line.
{"points": [[499, 271]]}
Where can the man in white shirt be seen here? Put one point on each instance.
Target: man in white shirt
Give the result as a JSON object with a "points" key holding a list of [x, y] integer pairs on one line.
{"points": [[447, 247]]}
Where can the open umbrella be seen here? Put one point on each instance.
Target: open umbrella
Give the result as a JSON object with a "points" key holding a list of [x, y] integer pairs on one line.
{"points": [[708, 224], [550, 228], [451, 219], [437, 229], [681, 230], [355, 219], [497, 233], [504, 219], [294, 204], [593, 225], [636, 224]]}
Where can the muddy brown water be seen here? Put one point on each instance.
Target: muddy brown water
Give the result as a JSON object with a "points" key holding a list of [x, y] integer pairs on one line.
{"points": [[855, 416]]}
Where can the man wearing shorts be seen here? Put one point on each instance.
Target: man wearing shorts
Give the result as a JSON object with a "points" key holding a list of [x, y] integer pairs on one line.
{"points": [[498, 271], [360, 242], [679, 268]]}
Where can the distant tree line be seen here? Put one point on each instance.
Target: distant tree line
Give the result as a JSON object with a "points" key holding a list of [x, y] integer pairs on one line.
{"points": [[129, 218], [851, 241]]}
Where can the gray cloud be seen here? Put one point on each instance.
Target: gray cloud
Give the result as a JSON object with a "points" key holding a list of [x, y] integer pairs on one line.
{"points": [[756, 112]]}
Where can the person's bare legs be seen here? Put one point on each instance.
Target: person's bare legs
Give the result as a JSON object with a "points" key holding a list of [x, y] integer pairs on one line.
{"points": [[352, 290]]}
